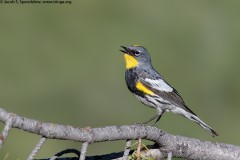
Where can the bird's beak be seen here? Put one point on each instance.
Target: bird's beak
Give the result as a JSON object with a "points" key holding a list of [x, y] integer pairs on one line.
{"points": [[125, 50]]}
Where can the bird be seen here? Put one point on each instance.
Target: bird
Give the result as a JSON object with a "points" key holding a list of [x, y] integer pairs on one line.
{"points": [[152, 90]]}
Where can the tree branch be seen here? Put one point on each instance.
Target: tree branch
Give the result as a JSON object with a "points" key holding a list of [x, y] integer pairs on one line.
{"points": [[179, 146]]}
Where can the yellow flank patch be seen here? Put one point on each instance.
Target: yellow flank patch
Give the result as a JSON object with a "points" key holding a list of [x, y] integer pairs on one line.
{"points": [[130, 61], [142, 88]]}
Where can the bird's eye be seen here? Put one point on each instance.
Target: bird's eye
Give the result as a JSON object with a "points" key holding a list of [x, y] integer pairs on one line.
{"points": [[136, 53]]}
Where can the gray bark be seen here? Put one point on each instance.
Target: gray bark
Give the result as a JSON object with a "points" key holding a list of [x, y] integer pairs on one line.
{"points": [[179, 146]]}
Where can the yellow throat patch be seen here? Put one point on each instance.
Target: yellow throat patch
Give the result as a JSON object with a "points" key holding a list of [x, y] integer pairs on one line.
{"points": [[142, 88], [130, 61]]}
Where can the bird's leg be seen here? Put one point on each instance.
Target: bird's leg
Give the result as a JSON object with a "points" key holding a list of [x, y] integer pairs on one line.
{"points": [[160, 113], [154, 117], [159, 116]]}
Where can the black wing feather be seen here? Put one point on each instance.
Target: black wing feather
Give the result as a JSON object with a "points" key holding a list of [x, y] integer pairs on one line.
{"points": [[173, 97]]}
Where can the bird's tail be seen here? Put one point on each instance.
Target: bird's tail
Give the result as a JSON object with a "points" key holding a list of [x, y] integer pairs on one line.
{"points": [[203, 125]]}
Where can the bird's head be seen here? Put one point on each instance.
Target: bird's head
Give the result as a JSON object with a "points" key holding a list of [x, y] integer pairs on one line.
{"points": [[135, 56]]}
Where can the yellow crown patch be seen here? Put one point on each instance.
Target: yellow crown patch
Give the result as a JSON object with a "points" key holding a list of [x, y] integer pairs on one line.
{"points": [[136, 45]]}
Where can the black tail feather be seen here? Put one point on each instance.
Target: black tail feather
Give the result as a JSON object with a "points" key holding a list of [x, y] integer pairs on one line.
{"points": [[204, 125]]}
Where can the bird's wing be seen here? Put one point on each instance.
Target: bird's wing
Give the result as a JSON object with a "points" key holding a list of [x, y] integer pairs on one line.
{"points": [[165, 91]]}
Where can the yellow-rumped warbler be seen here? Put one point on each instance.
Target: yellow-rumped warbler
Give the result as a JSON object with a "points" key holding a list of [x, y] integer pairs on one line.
{"points": [[151, 89]]}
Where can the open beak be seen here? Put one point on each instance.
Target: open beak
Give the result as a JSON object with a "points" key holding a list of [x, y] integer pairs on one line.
{"points": [[125, 49]]}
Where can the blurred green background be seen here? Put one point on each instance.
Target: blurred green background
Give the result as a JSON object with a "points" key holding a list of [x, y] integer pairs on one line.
{"points": [[61, 64]]}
